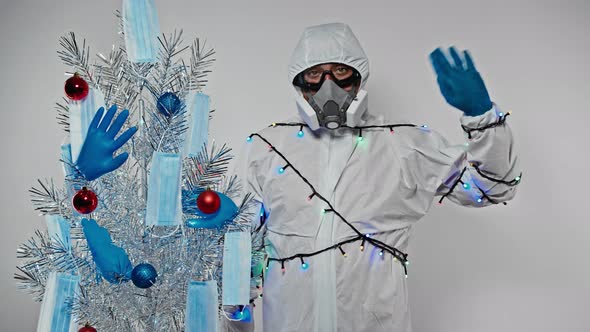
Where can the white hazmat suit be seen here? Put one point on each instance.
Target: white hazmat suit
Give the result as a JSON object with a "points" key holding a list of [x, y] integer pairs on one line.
{"points": [[382, 184]]}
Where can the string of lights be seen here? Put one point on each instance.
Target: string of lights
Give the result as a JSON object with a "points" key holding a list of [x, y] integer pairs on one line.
{"points": [[398, 254], [501, 119], [512, 182], [359, 128], [338, 246], [483, 196]]}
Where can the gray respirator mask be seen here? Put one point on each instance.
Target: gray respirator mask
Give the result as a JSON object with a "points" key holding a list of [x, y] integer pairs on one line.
{"points": [[330, 103]]}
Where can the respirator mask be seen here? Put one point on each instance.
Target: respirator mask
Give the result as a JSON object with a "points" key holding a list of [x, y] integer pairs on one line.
{"points": [[328, 98]]}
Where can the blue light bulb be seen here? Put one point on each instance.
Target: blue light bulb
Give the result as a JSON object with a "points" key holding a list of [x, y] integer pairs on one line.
{"points": [[249, 139], [466, 186], [479, 200], [501, 114], [281, 170], [300, 133], [381, 253], [304, 266]]}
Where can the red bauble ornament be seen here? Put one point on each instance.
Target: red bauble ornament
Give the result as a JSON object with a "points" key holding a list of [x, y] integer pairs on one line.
{"points": [[208, 201], [85, 201], [87, 328], [76, 87]]}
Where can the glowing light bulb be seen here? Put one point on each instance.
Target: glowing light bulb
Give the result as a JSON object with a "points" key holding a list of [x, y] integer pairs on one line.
{"points": [[381, 253], [359, 138], [249, 139], [343, 252], [479, 200], [304, 266], [517, 178], [501, 114], [281, 170], [466, 186], [424, 126], [300, 133]]}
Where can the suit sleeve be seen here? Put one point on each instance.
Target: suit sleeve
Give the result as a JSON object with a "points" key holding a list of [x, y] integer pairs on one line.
{"points": [[480, 172]]}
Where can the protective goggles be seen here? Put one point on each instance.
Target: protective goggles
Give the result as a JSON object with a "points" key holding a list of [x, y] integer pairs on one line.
{"points": [[300, 81]]}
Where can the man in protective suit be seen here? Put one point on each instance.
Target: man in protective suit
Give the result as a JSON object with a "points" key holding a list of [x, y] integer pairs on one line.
{"points": [[340, 188]]}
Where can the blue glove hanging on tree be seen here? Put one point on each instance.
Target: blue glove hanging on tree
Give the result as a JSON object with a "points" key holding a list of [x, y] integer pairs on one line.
{"points": [[112, 261], [460, 83], [96, 156]]}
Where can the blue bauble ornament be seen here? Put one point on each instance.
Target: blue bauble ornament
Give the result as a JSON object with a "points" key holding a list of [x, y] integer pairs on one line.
{"points": [[169, 104], [144, 275]]}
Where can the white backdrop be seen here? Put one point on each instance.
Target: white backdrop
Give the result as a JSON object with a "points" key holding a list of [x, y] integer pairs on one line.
{"points": [[521, 267]]}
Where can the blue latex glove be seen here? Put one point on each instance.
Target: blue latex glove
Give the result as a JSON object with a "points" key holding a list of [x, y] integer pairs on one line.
{"points": [[460, 83], [227, 211], [243, 314], [112, 261], [96, 156]]}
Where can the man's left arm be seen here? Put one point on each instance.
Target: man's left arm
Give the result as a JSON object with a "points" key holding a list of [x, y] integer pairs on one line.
{"points": [[485, 171]]}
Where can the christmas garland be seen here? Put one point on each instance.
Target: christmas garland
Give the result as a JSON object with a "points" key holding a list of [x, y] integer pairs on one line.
{"points": [[398, 254]]}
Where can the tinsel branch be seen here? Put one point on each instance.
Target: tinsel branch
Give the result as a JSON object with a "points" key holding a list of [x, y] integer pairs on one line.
{"points": [[76, 57], [166, 132], [32, 282], [63, 115], [111, 79], [43, 254], [121, 32], [169, 72], [47, 199], [201, 59], [206, 168], [230, 186]]}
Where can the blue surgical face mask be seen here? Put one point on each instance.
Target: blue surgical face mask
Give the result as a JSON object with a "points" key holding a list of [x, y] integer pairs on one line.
{"points": [[330, 104]]}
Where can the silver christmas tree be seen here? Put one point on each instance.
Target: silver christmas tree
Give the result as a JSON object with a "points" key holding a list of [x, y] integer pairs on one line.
{"points": [[179, 253]]}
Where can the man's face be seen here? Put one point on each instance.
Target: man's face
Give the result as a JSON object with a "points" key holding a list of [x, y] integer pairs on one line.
{"points": [[340, 72]]}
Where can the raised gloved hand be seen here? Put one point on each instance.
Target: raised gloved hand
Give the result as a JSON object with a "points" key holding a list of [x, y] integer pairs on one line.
{"points": [[96, 155], [460, 83]]}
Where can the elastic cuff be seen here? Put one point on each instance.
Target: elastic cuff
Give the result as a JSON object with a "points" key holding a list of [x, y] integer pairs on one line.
{"points": [[484, 119], [490, 119]]}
